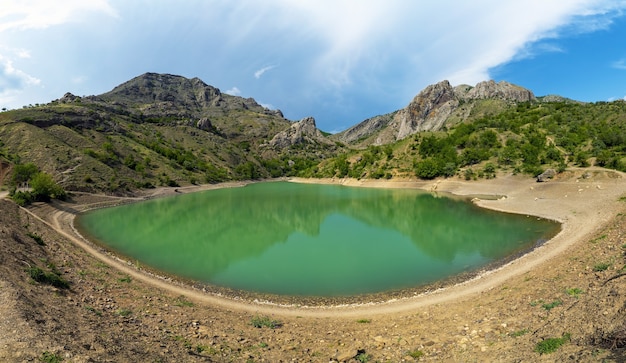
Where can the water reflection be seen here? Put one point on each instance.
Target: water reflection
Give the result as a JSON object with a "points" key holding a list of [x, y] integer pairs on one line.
{"points": [[251, 236]]}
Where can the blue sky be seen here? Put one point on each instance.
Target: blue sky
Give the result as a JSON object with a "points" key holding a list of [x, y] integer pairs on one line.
{"points": [[339, 61]]}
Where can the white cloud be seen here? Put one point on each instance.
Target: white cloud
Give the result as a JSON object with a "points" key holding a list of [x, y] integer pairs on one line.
{"points": [[269, 106], [233, 91], [41, 14], [425, 41], [620, 64], [12, 79], [261, 71]]}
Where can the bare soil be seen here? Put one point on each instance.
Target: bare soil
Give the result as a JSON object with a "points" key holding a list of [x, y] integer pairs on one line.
{"points": [[116, 311]]}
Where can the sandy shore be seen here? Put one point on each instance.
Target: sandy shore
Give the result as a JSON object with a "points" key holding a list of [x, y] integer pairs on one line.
{"points": [[582, 200]]}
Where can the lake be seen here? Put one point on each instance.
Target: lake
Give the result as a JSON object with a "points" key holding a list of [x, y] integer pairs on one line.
{"points": [[313, 240]]}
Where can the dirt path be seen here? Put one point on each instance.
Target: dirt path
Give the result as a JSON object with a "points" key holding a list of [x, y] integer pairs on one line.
{"points": [[582, 205]]}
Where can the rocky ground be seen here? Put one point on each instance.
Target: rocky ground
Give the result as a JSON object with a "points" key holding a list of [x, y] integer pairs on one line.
{"points": [[576, 299]]}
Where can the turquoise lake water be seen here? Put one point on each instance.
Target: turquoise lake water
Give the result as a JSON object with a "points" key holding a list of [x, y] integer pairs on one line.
{"points": [[313, 240]]}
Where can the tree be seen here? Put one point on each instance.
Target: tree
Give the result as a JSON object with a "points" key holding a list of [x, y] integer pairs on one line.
{"points": [[44, 187], [22, 173]]}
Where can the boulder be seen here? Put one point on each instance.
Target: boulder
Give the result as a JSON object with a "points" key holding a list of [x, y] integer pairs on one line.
{"points": [[546, 175]]}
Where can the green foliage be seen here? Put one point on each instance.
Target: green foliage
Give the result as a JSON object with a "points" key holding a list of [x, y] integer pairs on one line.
{"points": [[49, 357], [49, 278], [550, 345], [518, 333], [44, 187], [37, 238], [123, 312], [362, 357], [575, 292], [265, 321], [23, 173], [552, 305], [364, 321], [601, 266], [415, 354]]}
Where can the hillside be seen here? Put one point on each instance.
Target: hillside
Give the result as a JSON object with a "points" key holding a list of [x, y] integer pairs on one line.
{"points": [[166, 130], [156, 129]]}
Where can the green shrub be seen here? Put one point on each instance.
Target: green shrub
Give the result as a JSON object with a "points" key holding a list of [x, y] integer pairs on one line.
{"points": [[574, 292], [265, 321], [37, 238], [48, 278], [415, 354], [601, 267], [550, 345], [552, 305], [48, 357]]}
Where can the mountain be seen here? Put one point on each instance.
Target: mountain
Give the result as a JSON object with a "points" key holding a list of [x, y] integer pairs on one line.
{"points": [[162, 129], [157, 129], [433, 108]]}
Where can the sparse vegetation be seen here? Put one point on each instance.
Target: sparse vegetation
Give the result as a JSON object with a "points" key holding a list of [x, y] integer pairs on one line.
{"points": [[415, 354], [603, 266], [37, 238], [52, 277], [550, 345], [49, 357], [265, 321], [552, 305], [575, 292]]}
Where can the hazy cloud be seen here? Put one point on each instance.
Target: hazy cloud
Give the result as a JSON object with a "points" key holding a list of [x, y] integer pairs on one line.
{"points": [[233, 91], [262, 71], [620, 64], [40, 14]]}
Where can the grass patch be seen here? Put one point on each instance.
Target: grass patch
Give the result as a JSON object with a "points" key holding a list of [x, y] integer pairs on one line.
{"points": [[575, 292], [601, 266], [123, 312], [126, 279], [265, 321], [518, 333], [48, 357], [552, 305], [550, 345], [364, 321], [598, 238], [415, 354], [362, 357], [49, 278], [37, 238], [182, 302], [93, 310]]}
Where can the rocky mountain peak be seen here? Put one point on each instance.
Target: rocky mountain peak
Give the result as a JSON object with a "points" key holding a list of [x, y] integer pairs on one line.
{"points": [[303, 131], [501, 90], [428, 110]]}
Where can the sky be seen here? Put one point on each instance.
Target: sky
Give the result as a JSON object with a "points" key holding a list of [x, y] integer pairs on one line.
{"points": [[340, 61]]}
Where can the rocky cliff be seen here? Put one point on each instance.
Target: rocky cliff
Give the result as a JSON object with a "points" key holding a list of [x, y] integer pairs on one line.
{"points": [[301, 132], [430, 110]]}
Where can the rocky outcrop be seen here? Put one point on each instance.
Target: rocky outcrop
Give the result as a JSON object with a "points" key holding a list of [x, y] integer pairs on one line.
{"points": [[430, 110], [501, 90], [365, 129], [303, 131], [427, 111], [546, 175]]}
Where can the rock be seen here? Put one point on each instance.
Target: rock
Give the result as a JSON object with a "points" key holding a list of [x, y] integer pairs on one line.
{"points": [[546, 175], [501, 90], [428, 110], [346, 354], [303, 131], [204, 124]]}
